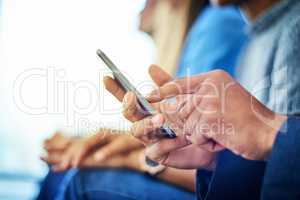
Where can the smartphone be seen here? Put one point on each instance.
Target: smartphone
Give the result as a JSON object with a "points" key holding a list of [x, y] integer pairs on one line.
{"points": [[165, 130]]}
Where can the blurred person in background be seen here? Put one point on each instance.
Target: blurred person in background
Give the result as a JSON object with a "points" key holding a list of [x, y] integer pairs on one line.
{"points": [[190, 38], [273, 139], [269, 70], [272, 76]]}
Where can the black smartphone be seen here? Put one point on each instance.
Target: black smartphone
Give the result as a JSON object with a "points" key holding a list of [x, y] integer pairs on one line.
{"points": [[127, 86]]}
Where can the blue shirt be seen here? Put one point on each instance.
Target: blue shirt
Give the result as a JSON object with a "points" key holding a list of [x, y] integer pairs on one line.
{"points": [[214, 42], [269, 69], [270, 65]]}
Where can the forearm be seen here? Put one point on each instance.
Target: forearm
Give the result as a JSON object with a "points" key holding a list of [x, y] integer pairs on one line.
{"points": [[182, 178]]}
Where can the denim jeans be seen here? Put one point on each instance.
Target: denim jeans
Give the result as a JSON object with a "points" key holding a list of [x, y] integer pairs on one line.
{"points": [[54, 185], [112, 184]]}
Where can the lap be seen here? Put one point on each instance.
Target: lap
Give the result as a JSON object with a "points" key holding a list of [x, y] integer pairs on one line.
{"points": [[121, 184]]}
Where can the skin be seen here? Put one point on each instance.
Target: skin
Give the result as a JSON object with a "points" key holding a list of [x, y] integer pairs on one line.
{"points": [[146, 19], [59, 147], [134, 113], [110, 148], [204, 100], [61, 157], [68, 152], [252, 8]]}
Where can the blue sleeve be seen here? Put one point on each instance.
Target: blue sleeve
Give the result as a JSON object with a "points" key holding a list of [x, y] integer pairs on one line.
{"points": [[233, 178], [282, 177], [214, 42]]}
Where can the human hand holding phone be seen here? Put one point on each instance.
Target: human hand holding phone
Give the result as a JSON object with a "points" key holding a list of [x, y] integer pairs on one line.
{"points": [[120, 84]]}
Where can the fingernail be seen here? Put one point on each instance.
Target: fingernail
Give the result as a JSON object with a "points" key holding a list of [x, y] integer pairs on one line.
{"points": [[126, 100], [99, 156], [152, 96], [147, 96], [188, 138]]}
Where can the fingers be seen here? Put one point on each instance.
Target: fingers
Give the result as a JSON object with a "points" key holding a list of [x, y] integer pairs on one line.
{"points": [[192, 102], [57, 143], [168, 90], [114, 88], [205, 143], [191, 157], [132, 110], [170, 112], [185, 85], [52, 158], [159, 76], [61, 166], [159, 151], [146, 129], [78, 156], [119, 145], [71, 157]]}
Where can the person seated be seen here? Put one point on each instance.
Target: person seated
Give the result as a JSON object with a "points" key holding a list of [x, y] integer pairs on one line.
{"points": [[266, 74], [250, 130], [114, 149]]}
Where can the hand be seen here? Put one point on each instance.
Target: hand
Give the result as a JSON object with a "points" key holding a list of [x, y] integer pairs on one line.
{"points": [[177, 152], [186, 155], [55, 146], [214, 109], [130, 160], [159, 77], [65, 152], [91, 151], [58, 142]]}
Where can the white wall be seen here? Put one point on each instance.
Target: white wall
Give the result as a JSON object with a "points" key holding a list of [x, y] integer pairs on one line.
{"points": [[61, 37]]}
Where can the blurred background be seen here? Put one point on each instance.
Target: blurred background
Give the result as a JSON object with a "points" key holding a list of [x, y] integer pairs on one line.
{"points": [[50, 77]]}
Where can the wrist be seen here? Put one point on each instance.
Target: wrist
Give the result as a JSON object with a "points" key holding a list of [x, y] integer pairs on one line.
{"points": [[152, 170], [133, 161]]}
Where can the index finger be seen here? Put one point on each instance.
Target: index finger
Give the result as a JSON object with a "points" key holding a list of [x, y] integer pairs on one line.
{"points": [[185, 85], [159, 76], [114, 87], [146, 129]]}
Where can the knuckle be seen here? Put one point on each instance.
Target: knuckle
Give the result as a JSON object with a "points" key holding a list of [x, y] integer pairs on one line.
{"points": [[133, 129], [220, 73], [128, 114]]}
